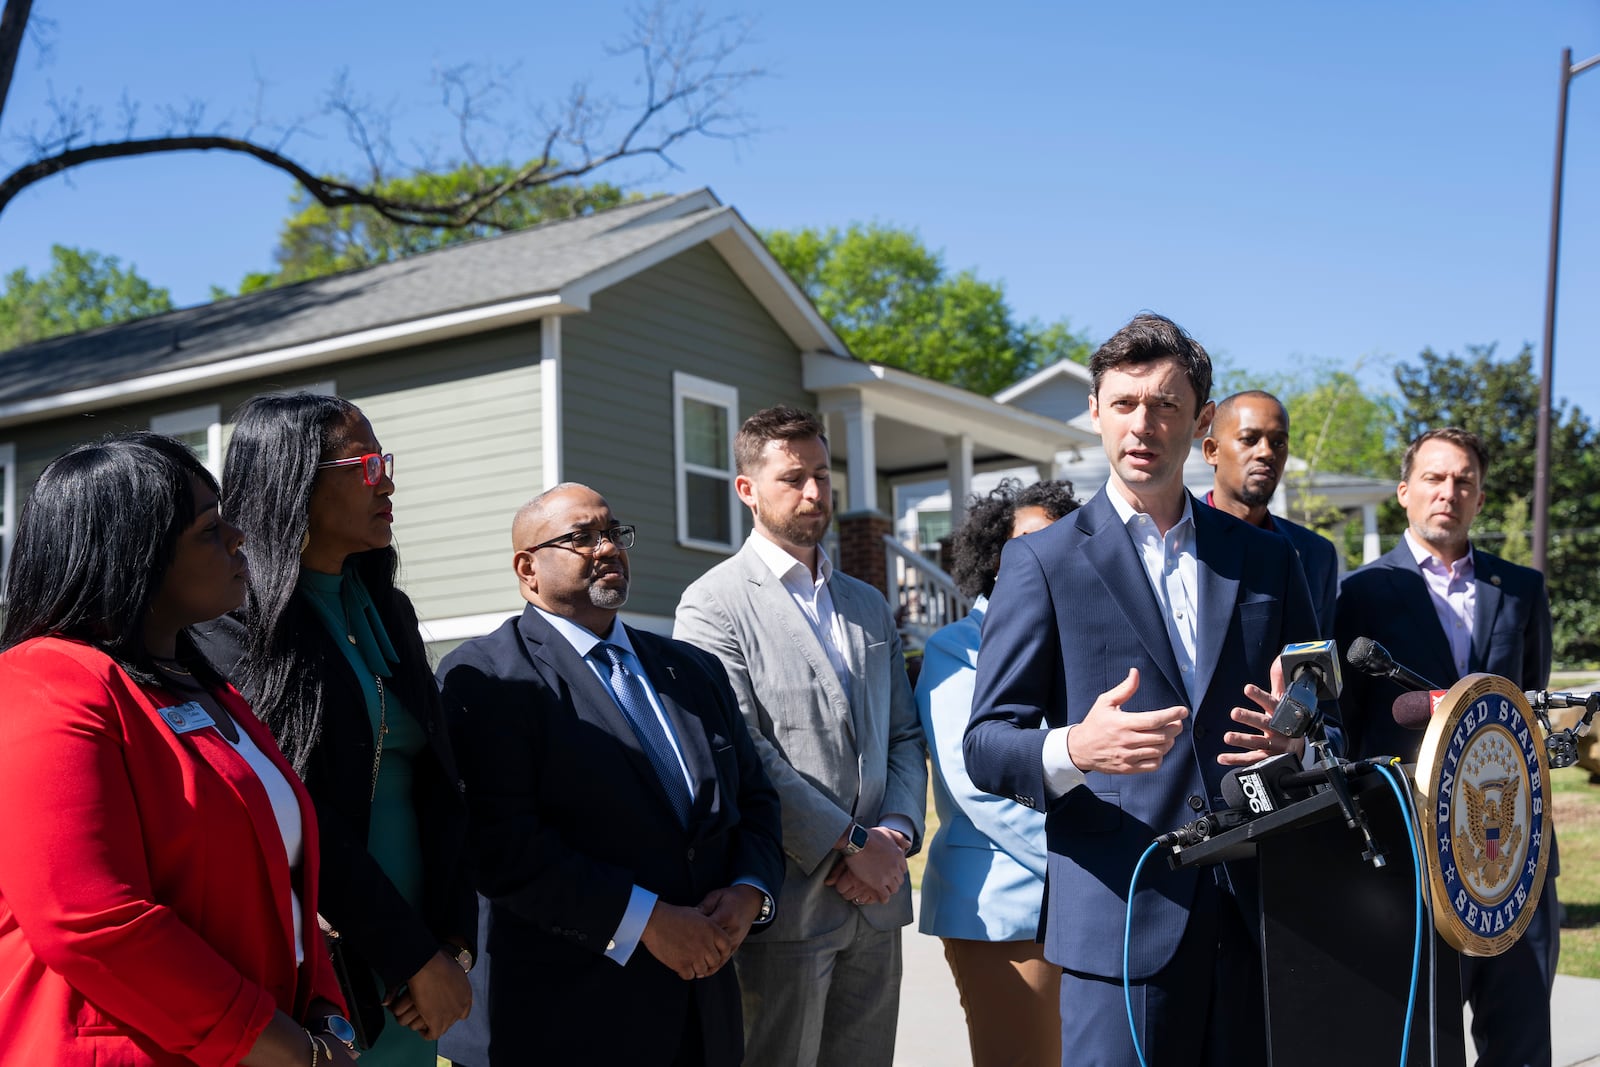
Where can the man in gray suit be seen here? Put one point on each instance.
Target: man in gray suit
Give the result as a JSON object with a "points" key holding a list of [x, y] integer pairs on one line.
{"points": [[815, 660]]}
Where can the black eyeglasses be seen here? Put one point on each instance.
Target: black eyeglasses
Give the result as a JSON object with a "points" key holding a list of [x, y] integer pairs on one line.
{"points": [[589, 540], [374, 466]]}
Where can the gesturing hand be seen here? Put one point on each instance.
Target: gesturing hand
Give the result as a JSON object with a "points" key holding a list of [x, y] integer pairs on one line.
{"points": [[1114, 741], [690, 943], [1264, 741]]}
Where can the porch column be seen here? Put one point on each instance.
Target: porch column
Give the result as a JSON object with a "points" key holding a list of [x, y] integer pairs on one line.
{"points": [[861, 468], [1045, 471], [958, 471], [1370, 550]]}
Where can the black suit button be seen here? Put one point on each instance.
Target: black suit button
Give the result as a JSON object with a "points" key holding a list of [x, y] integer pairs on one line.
{"points": [[1195, 803], [691, 855], [1199, 730], [461, 785]]}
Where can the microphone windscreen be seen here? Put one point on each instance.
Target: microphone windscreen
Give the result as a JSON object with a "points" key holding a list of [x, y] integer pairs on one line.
{"points": [[1367, 656], [1413, 710]]}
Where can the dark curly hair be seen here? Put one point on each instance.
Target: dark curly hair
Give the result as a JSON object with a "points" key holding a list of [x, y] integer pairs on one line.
{"points": [[975, 548]]}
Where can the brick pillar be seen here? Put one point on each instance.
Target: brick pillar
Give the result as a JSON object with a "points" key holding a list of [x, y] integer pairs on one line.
{"points": [[861, 551]]}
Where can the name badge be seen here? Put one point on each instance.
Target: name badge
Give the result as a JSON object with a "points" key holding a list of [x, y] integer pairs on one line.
{"points": [[186, 718]]}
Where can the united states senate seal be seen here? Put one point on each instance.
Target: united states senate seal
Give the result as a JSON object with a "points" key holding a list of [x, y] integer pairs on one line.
{"points": [[1482, 776]]}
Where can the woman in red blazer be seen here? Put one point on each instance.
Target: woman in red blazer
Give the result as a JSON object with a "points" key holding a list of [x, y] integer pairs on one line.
{"points": [[158, 858]]}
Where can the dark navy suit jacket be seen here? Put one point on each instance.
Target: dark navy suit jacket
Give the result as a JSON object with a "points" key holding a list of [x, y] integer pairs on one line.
{"points": [[1320, 561], [567, 816], [1072, 610], [1388, 601]]}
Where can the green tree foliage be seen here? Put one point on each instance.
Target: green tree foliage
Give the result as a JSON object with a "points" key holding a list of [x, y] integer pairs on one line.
{"points": [[316, 241], [1498, 399], [894, 301], [80, 291]]}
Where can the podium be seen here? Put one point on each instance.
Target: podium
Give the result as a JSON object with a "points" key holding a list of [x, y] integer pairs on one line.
{"points": [[1338, 934]]}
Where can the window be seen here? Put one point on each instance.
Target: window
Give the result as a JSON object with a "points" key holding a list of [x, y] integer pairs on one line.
{"points": [[200, 428], [8, 505], [708, 508]]}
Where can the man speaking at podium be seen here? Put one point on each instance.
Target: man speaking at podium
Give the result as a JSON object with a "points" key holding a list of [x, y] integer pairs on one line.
{"points": [[1134, 628], [1446, 609]]}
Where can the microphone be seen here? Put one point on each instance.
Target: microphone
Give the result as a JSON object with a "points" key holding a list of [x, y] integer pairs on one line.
{"points": [[1369, 657], [1413, 710], [1204, 828], [1312, 668], [1265, 786]]}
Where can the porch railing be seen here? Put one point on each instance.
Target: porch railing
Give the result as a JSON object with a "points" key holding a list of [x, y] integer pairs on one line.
{"points": [[923, 596]]}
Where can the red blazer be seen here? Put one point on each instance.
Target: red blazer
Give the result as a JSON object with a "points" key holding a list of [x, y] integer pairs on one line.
{"points": [[144, 891]]}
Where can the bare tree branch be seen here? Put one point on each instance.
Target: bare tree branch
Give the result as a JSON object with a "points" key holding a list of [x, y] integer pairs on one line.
{"points": [[688, 80], [13, 24]]}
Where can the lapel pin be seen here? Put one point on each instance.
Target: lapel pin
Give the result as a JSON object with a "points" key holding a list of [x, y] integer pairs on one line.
{"points": [[1494, 580], [672, 673]]}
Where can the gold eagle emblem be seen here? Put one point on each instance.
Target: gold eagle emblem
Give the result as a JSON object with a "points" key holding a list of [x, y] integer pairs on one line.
{"points": [[1487, 848]]}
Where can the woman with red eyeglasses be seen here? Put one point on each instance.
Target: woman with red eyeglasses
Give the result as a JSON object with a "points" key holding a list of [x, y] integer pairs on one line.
{"points": [[329, 654]]}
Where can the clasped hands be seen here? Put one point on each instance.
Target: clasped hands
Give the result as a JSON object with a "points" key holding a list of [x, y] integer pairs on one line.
{"points": [[697, 942], [434, 999], [874, 874], [1113, 741]]}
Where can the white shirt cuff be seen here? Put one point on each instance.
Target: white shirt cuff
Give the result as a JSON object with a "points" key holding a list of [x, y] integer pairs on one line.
{"points": [[640, 904], [1061, 775]]}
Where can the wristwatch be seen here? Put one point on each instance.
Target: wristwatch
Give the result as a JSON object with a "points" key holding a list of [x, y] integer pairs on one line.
{"points": [[857, 840], [766, 910], [462, 955], [339, 1028]]}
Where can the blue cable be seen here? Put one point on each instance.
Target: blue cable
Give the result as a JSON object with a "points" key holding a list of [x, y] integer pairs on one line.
{"points": [[1389, 776], [1127, 937]]}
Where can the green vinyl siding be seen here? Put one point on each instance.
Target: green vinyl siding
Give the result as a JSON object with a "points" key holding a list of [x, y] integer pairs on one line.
{"points": [[462, 419], [689, 314]]}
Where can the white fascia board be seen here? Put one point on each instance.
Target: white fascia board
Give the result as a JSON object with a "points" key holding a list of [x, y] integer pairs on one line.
{"points": [[295, 357], [1061, 368]]}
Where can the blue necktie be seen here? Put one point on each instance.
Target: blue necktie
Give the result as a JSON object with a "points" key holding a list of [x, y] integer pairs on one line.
{"points": [[631, 698]]}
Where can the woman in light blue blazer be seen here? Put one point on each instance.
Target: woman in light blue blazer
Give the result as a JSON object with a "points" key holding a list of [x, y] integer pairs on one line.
{"points": [[984, 881]]}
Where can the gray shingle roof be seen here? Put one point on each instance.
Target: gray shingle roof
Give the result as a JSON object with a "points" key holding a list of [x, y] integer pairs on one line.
{"points": [[482, 273]]}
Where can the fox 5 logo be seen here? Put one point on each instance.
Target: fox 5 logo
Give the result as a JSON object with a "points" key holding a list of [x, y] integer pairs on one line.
{"points": [[1255, 791]]}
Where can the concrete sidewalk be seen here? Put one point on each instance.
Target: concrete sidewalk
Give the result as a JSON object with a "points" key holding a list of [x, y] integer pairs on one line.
{"points": [[933, 1030]]}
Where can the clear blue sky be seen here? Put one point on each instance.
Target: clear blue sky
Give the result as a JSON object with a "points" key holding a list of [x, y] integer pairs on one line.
{"points": [[1346, 182]]}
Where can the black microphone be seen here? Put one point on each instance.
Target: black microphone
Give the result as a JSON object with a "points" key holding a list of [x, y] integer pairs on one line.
{"points": [[1369, 657], [1312, 668], [1204, 828], [1265, 786]]}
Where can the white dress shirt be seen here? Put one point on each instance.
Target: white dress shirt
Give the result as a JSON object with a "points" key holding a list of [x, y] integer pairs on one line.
{"points": [[811, 596]]}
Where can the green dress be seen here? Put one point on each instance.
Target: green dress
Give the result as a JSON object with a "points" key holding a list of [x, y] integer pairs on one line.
{"points": [[393, 838]]}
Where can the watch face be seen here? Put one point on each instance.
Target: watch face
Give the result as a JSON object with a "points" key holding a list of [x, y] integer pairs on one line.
{"points": [[858, 837], [340, 1028]]}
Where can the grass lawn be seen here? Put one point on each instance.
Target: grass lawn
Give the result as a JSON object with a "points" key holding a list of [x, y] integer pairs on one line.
{"points": [[1577, 817]]}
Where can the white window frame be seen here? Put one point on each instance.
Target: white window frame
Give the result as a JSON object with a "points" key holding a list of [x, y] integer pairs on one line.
{"points": [[689, 387], [206, 417], [8, 521]]}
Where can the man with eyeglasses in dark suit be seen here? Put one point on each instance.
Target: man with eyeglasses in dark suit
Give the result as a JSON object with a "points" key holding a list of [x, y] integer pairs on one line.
{"points": [[622, 830]]}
